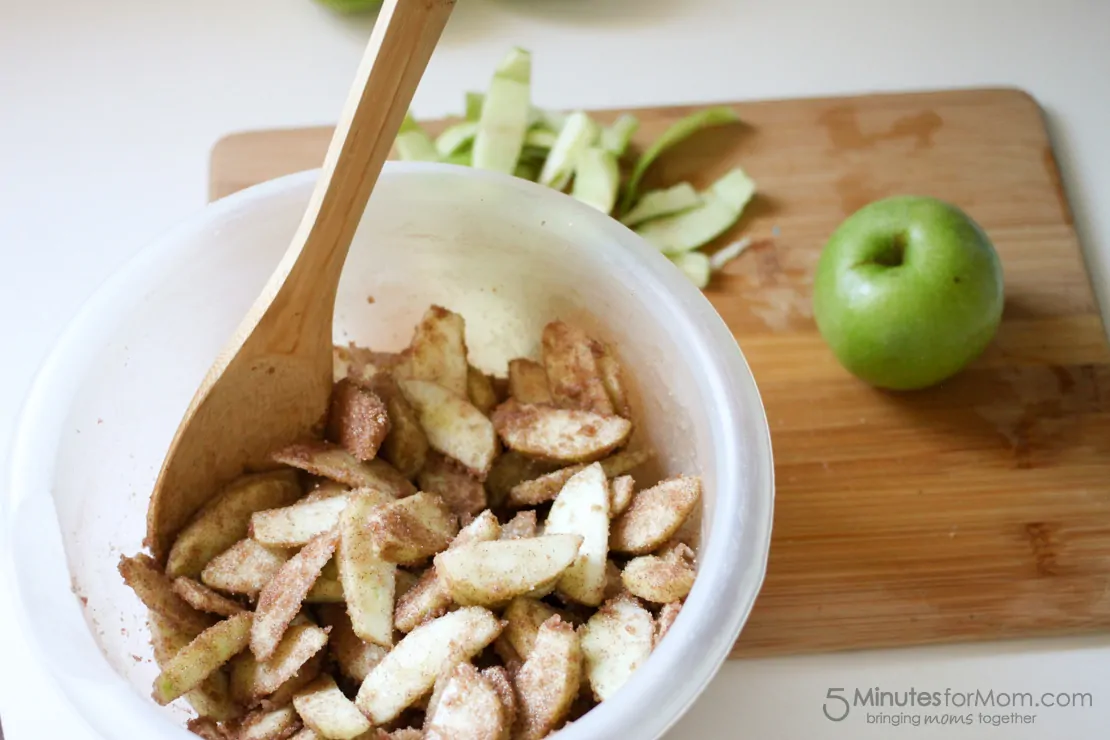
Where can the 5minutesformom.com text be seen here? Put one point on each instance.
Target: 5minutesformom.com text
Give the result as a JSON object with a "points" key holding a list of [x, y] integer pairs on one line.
{"points": [[898, 707]]}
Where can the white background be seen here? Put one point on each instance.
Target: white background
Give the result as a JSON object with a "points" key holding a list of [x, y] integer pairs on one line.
{"points": [[108, 109]]}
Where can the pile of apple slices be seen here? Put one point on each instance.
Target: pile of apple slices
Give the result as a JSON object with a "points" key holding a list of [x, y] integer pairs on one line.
{"points": [[407, 577]]}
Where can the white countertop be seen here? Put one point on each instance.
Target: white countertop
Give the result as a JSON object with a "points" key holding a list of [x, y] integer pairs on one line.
{"points": [[108, 110]]}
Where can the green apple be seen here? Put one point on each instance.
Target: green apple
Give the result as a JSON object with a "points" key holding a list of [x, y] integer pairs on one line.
{"points": [[908, 291], [351, 6]]}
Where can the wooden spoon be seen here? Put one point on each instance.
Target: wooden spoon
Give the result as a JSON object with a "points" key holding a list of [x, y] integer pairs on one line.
{"points": [[271, 383]]}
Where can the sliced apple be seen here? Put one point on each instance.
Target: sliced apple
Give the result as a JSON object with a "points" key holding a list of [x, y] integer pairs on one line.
{"points": [[369, 582], [429, 599], [661, 579], [156, 592], [612, 378], [425, 601], [323, 489], [203, 656], [480, 391], [620, 494], [548, 682], [560, 435], [582, 508], [330, 461], [251, 680], [572, 371], [354, 656], [654, 515], [511, 469], [224, 520], [212, 697], [284, 694], [411, 529], [622, 462], [406, 445], [330, 714], [453, 426], [244, 568], [281, 598], [328, 589], [483, 528], [499, 680], [358, 421], [275, 724], [542, 488], [205, 728], [204, 599], [523, 524], [469, 708], [665, 620], [523, 618], [488, 573], [410, 669], [616, 641], [537, 490], [297, 525], [528, 381], [464, 494], [438, 350]]}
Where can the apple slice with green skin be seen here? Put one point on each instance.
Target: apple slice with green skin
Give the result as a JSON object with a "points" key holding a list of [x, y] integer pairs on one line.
{"points": [[908, 291]]}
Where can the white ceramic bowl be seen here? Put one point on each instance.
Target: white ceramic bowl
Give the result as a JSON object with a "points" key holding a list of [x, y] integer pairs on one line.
{"points": [[509, 256]]}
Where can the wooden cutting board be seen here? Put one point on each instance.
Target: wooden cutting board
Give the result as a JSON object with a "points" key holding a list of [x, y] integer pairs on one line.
{"points": [[976, 510]]}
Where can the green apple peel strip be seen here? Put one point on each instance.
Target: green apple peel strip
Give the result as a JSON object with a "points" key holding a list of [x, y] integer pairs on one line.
{"points": [[722, 205], [597, 179], [456, 138], [615, 138], [695, 265], [504, 118], [679, 131], [728, 253], [658, 203], [578, 134]]}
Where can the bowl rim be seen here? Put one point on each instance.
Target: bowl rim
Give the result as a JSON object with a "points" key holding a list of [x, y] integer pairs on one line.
{"points": [[721, 607]]}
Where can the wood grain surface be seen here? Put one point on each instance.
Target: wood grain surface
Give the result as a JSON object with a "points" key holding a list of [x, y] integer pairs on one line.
{"points": [[979, 509]]}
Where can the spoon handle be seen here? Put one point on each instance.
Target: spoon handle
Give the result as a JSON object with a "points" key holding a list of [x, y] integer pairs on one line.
{"points": [[400, 46]]}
